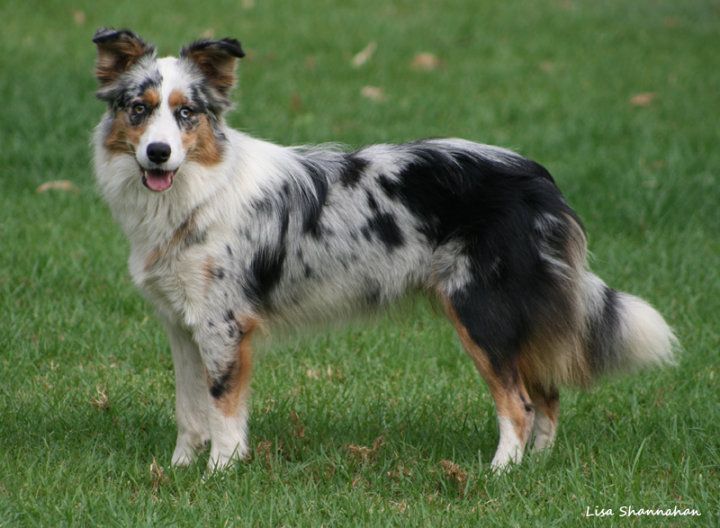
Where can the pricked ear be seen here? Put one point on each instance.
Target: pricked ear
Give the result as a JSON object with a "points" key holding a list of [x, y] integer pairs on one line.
{"points": [[216, 59], [118, 50]]}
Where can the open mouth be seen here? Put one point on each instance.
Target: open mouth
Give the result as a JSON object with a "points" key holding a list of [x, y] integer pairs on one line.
{"points": [[158, 180]]}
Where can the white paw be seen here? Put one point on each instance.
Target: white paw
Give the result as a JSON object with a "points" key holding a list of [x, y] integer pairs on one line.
{"points": [[183, 457], [186, 449], [502, 462], [220, 460]]}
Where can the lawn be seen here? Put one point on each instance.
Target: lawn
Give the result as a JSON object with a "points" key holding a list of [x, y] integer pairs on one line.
{"points": [[384, 422]]}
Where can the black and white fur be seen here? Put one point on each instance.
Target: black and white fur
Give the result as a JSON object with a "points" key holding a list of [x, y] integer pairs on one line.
{"points": [[228, 232]]}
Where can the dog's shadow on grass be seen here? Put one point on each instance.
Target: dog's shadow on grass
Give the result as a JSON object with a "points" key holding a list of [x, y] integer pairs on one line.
{"points": [[146, 430], [427, 437]]}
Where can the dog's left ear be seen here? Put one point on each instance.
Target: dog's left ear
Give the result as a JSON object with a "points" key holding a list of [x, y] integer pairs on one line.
{"points": [[216, 59]]}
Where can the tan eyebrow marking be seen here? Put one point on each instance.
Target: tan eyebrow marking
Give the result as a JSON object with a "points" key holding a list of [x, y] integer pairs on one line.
{"points": [[151, 97], [177, 98]]}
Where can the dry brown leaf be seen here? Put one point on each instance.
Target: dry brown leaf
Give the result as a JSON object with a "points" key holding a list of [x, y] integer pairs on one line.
{"points": [[399, 473], [643, 99], [547, 66], [57, 185], [455, 473], [101, 400], [297, 423], [157, 475], [296, 104], [208, 33], [79, 17], [311, 62], [425, 62], [264, 450], [364, 453], [400, 506], [374, 93], [364, 55], [357, 481]]}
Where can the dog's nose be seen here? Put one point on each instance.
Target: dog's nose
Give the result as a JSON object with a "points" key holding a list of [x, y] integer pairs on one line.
{"points": [[158, 152]]}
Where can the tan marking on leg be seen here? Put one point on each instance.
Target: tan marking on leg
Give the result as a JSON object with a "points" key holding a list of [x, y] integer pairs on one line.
{"points": [[508, 390], [239, 380]]}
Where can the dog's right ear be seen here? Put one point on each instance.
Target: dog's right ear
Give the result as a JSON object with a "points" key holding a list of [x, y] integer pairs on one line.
{"points": [[118, 50]]}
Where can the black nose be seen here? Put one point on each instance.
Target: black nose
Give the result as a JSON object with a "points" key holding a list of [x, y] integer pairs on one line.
{"points": [[158, 152]]}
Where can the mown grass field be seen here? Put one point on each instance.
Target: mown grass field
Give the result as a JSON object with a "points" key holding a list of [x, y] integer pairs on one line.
{"points": [[618, 99]]}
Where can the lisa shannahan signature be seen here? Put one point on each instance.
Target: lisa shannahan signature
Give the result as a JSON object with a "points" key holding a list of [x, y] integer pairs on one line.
{"points": [[628, 510]]}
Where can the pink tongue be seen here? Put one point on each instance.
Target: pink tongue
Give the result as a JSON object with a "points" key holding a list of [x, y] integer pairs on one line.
{"points": [[159, 180]]}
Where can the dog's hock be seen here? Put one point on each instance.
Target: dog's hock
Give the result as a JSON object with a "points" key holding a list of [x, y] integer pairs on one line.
{"points": [[118, 51]]}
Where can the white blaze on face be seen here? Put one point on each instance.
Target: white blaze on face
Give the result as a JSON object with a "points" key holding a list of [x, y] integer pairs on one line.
{"points": [[163, 126]]}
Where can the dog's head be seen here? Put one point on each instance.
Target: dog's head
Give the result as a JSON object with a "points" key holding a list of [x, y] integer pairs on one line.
{"points": [[164, 112]]}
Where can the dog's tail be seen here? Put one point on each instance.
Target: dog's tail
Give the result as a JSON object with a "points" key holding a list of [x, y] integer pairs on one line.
{"points": [[620, 332], [605, 331]]}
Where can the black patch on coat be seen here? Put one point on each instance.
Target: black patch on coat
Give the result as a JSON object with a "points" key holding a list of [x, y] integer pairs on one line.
{"points": [[352, 172], [222, 384], [266, 267], [365, 230], [372, 202], [313, 200], [463, 194], [385, 227], [265, 271]]}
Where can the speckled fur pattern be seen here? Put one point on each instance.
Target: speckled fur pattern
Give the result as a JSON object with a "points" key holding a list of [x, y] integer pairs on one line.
{"points": [[229, 232]]}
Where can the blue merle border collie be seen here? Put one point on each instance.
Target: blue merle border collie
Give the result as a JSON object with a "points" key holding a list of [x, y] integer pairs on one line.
{"points": [[229, 233]]}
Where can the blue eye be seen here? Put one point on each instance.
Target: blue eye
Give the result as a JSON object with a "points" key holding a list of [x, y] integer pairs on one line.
{"points": [[185, 112]]}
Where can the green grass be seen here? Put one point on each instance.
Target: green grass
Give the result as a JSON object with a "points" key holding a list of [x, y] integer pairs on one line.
{"points": [[552, 79]]}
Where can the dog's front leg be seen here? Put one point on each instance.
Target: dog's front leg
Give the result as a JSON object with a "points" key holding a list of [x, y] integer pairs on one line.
{"points": [[191, 395], [226, 352]]}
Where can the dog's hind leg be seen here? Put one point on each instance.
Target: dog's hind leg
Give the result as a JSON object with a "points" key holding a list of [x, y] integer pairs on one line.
{"points": [[547, 407], [191, 395], [515, 412]]}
